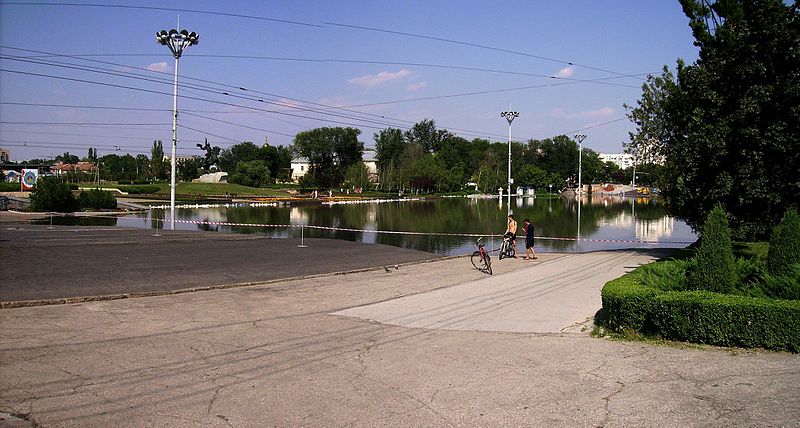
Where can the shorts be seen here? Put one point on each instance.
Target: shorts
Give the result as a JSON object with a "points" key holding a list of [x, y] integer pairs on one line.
{"points": [[528, 243], [510, 236]]}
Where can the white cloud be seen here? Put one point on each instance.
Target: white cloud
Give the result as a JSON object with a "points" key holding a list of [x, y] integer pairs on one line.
{"points": [[566, 72], [158, 66], [417, 86], [371, 80], [601, 112]]}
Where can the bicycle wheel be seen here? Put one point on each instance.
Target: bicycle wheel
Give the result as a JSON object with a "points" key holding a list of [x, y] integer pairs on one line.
{"points": [[476, 260], [502, 251], [487, 261]]}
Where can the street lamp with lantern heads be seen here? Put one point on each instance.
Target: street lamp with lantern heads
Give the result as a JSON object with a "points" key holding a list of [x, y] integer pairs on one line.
{"points": [[510, 116], [177, 41]]}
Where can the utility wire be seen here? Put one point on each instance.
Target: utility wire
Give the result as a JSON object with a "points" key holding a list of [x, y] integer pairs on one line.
{"points": [[334, 24], [167, 9]]}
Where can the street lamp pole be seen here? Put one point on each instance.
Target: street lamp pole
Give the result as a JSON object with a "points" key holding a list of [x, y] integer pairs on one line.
{"points": [[510, 116], [177, 41], [580, 138], [579, 193]]}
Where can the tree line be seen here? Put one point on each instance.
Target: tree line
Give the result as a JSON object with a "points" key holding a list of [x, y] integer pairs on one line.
{"points": [[426, 159], [728, 125]]}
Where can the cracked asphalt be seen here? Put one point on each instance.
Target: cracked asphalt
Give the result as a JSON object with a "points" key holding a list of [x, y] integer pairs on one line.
{"points": [[432, 344]]}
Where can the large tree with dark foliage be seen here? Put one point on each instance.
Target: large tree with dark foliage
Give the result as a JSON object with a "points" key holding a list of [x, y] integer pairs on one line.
{"points": [[330, 151], [727, 126]]}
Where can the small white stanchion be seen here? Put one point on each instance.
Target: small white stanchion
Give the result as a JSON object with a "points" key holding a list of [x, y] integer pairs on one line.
{"points": [[51, 221], [157, 234], [302, 238]]}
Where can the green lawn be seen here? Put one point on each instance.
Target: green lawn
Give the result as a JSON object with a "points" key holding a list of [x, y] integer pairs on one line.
{"points": [[207, 189]]}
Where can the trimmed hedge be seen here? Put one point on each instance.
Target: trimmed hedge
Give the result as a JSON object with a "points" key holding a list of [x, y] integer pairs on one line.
{"points": [[701, 316]]}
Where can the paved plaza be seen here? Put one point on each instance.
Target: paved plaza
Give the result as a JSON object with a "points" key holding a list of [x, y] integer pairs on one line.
{"points": [[424, 344]]}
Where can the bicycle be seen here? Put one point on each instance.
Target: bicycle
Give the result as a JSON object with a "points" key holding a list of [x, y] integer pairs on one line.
{"points": [[480, 258], [506, 248]]}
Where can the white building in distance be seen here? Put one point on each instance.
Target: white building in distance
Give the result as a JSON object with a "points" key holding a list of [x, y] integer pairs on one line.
{"points": [[622, 160], [301, 165]]}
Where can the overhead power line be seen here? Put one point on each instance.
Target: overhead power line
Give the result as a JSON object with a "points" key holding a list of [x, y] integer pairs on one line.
{"points": [[167, 9], [475, 45], [334, 24]]}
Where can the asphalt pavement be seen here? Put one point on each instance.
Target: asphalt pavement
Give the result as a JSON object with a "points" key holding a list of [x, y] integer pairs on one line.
{"points": [[43, 263], [426, 344]]}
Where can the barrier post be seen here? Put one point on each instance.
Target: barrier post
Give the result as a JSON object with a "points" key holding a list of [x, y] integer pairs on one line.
{"points": [[302, 242], [51, 221]]}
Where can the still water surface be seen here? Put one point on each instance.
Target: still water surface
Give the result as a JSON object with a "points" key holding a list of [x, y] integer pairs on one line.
{"points": [[434, 224]]}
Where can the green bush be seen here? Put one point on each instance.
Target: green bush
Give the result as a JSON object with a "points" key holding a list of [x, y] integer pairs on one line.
{"points": [[785, 286], [715, 270], [141, 182], [124, 182], [784, 247], [701, 316], [97, 199], [10, 186], [50, 194]]}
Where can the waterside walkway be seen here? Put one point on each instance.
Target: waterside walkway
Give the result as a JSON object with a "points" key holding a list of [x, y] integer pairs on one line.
{"points": [[422, 344]]}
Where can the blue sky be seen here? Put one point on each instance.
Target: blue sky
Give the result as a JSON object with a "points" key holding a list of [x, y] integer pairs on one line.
{"points": [[307, 64]]}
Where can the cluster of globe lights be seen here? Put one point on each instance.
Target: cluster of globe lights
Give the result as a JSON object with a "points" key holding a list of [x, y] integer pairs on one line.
{"points": [[177, 40]]}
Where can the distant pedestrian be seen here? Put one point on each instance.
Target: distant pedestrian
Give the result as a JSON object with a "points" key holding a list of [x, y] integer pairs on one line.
{"points": [[530, 253]]}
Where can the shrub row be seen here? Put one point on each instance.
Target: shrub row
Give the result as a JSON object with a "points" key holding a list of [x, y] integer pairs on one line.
{"points": [[701, 316]]}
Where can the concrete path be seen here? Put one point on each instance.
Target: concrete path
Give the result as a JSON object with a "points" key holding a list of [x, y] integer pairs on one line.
{"points": [[556, 294], [273, 355]]}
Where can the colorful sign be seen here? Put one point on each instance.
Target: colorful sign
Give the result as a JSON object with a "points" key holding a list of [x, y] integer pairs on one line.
{"points": [[29, 177]]}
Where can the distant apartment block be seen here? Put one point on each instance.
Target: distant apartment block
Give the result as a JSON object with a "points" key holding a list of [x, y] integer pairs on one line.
{"points": [[622, 160], [5, 156]]}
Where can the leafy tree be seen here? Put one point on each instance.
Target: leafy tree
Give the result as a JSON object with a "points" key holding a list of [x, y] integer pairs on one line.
{"points": [[715, 269], [330, 151], [534, 176], [357, 175], [784, 247], [241, 152], [389, 145], [92, 155], [142, 165], [158, 168], [67, 158], [188, 169], [727, 125], [110, 167], [50, 194], [252, 173], [426, 135], [278, 160], [97, 199]]}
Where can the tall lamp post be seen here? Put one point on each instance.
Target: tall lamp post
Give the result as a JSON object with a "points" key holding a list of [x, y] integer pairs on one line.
{"points": [[510, 116], [579, 193], [177, 41], [580, 138]]}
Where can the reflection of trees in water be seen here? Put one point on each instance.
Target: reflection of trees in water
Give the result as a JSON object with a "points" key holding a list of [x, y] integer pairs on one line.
{"points": [[550, 217], [78, 221]]}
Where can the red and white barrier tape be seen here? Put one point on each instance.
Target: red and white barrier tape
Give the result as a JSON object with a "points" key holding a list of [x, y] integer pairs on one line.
{"points": [[395, 232]]}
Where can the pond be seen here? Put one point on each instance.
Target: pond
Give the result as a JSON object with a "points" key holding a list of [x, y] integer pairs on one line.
{"points": [[447, 226]]}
